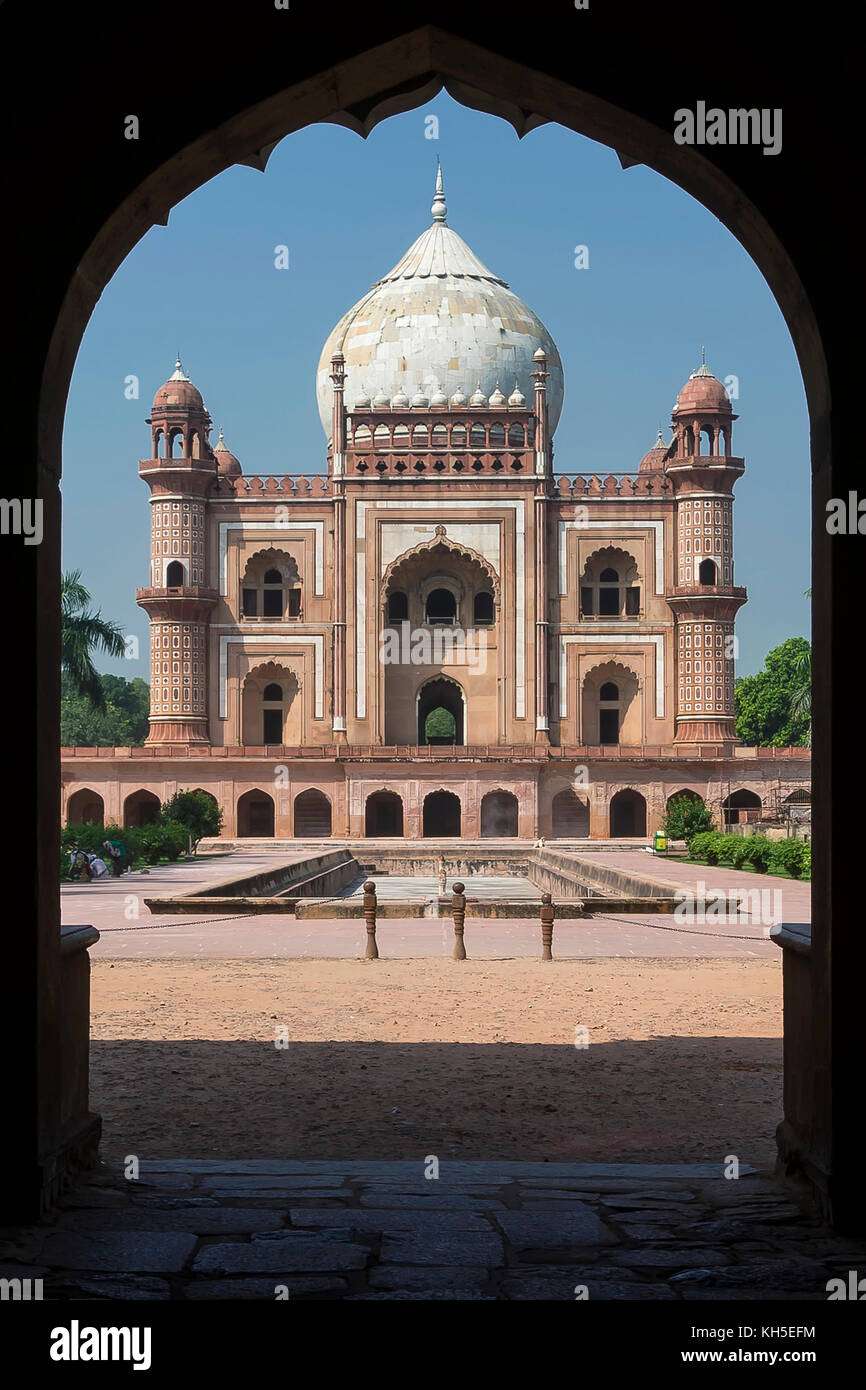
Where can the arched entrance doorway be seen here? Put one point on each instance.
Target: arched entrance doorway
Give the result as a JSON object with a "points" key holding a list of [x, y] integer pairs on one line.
{"points": [[140, 808], [499, 815], [627, 815], [312, 815], [441, 815], [256, 815], [85, 807], [383, 815], [570, 816], [440, 712], [741, 806]]}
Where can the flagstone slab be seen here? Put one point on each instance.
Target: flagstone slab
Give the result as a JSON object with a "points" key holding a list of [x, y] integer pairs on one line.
{"points": [[456, 1248], [135, 1252], [201, 1221], [534, 1229], [248, 1289], [289, 1252], [389, 1219]]}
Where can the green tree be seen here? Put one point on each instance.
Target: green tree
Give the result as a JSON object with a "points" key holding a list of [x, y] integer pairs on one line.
{"points": [[81, 632], [196, 811], [440, 724], [122, 724], [801, 700], [686, 816], [766, 713]]}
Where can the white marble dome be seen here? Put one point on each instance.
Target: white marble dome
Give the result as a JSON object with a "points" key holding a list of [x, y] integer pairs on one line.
{"points": [[436, 322]]}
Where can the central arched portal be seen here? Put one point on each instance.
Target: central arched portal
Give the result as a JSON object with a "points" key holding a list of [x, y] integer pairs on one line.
{"points": [[441, 708], [441, 815], [383, 815]]}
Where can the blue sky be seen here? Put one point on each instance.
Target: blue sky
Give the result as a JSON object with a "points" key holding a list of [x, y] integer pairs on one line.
{"points": [[664, 277]]}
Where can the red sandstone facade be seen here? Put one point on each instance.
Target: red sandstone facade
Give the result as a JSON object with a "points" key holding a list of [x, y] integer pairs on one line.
{"points": [[577, 630]]}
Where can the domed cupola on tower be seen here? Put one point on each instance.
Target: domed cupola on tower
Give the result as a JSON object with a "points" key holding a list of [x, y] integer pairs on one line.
{"points": [[179, 421], [438, 323], [702, 418]]}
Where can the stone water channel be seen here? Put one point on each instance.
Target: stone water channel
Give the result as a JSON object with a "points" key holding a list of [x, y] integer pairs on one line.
{"points": [[499, 883]]}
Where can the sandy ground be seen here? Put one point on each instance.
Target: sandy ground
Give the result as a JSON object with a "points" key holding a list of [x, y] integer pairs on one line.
{"points": [[474, 1060]]}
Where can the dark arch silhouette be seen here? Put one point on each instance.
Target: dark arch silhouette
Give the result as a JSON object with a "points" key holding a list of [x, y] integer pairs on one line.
{"points": [[441, 814], [627, 815], [85, 807], [256, 814], [763, 213], [383, 815], [140, 808], [312, 815], [435, 695], [499, 812], [570, 816]]}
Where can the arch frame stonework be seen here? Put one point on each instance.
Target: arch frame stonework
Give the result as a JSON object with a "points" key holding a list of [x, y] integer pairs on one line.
{"points": [[374, 67]]}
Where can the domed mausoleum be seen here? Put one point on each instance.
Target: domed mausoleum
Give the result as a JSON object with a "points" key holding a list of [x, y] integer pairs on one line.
{"points": [[432, 633]]}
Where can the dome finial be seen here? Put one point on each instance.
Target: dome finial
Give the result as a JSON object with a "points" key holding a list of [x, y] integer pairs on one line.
{"points": [[439, 208], [178, 374]]}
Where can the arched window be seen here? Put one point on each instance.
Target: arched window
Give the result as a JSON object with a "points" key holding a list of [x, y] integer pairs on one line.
{"points": [[382, 436], [610, 590], [272, 692], [271, 593], [419, 437], [398, 608], [608, 593], [608, 713], [176, 444], [441, 607], [458, 436], [477, 436], [174, 575], [516, 437], [272, 713], [708, 572], [483, 610], [439, 437], [497, 435]]}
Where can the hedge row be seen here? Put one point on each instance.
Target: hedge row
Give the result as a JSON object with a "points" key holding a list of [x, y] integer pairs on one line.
{"points": [[792, 857], [147, 845]]}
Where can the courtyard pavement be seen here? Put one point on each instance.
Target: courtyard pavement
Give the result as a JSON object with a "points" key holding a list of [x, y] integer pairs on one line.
{"points": [[262, 1229], [116, 908]]}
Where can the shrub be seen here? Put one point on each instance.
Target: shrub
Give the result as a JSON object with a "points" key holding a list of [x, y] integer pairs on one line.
{"points": [[90, 838], [807, 859], [737, 850], [685, 817], [759, 852], [706, 845], [162, 840], [789, 856]]}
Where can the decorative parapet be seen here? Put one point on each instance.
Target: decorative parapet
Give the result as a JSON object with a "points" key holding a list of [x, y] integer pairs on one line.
{"points": [[285, 485], [493, 752], [612, 485]]}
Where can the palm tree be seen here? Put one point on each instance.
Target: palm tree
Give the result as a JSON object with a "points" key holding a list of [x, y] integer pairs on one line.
{"points": [[82, 630], [801, 700]]}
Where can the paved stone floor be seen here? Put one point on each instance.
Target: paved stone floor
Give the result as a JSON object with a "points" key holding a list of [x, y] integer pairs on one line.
{"points": [[190, 1230], [486, 887]]}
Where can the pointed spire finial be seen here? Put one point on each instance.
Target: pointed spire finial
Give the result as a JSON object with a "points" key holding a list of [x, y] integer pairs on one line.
{"points": [[703, 356], [439, 208]]}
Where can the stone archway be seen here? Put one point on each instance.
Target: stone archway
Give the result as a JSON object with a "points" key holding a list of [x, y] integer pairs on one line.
{"points": [[256, 815], [441, 815], [140, 808], [312, 815], [383, 815], [85, 807], [445, 695], [627, 815], [742, 805], [570, 816], [395, 70], [499, 815]]}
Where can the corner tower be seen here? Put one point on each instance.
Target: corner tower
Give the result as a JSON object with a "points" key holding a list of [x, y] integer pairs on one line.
{"points": [[702, 470], [178, 601]]}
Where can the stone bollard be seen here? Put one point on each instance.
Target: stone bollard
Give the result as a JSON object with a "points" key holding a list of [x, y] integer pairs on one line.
{"points": [[547, 915], [458, 913], [372, 951]]}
